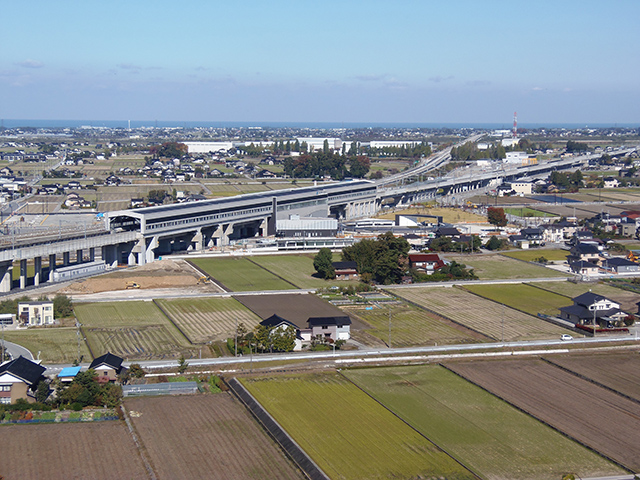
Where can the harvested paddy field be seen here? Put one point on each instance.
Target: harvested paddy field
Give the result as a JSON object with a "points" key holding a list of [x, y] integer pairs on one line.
{"points": [[479, 314], [130, 329], [618, 372], [205, 319], [411, 326], [491, 267], [295, 307], [449, 215], [492, 438], [84, 450], [352, 436], [206, 437], [590, 414], [240, 274], [521, 296], [56, 345]]}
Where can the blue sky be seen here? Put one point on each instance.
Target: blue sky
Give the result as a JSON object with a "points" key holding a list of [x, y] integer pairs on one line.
{"points": [[561, 61]]}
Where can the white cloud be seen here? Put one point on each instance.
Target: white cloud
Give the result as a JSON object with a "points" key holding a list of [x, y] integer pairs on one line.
{"points": [[30, 64]]}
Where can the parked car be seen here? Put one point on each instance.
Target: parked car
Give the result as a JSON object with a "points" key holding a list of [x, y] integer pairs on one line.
{"points": [[566, 336]]}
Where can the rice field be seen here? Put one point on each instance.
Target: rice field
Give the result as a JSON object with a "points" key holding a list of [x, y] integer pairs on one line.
{"points": [[491, 437], [297, 269], [484, 316], [625, 298], [240, 274], [206, 319], [522, 297], [532, 254], [347, 433], [410, 326], [130, 330], [55, 345], [492, 267]]}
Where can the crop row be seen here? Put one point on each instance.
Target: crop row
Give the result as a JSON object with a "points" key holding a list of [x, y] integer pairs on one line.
{"points": [[133, 342], [484, 316], [409, 326]]}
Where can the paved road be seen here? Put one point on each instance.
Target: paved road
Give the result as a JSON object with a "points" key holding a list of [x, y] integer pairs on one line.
{"points": [[378, 354], [16, 350]]}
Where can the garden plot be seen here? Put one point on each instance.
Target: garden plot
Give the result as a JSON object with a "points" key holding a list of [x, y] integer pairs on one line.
{"points": [[347, 433], [603, 420], [481, 315], [481, 431], [204, 437], [206, 319]]}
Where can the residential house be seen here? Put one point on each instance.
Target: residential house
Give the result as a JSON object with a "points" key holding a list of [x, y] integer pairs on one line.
{"points": [[426, 262], [277, 323], [444, 231], [583, 267], [36, 313], [590, 308], [585, 252], [610, 182], [533, 235], [333, 328], [620, 265], [553, 233], [19, 378], [107, 367], [627, 227], [346, 270]]}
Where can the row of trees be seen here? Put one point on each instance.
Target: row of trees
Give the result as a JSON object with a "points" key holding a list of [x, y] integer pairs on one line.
{"points": [[169, 150], [322, 163]]}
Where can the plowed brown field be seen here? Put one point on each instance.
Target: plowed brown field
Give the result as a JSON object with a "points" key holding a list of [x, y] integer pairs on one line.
{"points": [[103, 450], [596, 417], [206, 437], [618, 372]]}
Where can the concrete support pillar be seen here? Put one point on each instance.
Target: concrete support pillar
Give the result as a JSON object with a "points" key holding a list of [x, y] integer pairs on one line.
{"points": [[79, 255], [52, 262], [65, 259], [223, 232], [23, 273], [6, 277], [197, 242], [110, 255], [92, 254], [37, 276], [151, 245]]}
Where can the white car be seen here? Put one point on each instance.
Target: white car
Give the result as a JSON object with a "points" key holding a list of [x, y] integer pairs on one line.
{"points": [[566, 336]]}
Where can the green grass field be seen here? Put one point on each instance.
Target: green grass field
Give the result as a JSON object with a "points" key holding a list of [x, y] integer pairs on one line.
{"points": [[240, 275], [481, 431], [410, 326], [348, 434], [206, 319], [56, 345], [482, 315], [526, 212], [492, 267], [626, 298], [531, 254], [522, 297], [297, 269], [131, 330]]}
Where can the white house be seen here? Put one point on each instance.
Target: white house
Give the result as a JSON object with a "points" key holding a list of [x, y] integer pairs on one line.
{"points": [[36, 313]]}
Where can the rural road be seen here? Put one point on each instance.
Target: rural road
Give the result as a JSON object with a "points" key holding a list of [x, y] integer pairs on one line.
{"points": [[377, 355], [16, 350]]}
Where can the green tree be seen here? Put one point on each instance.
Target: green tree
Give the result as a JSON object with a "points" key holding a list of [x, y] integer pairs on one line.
{"points": [[262, 337], [495, 243], [322, 262], [110, 395], [283, 339], [496, 216], [183, 365], [42, 392], [359, 166], [157, 196], [136, 371], [62, 306]]}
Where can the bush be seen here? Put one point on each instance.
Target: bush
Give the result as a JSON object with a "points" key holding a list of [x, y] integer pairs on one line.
{"points": [[76, 406]]}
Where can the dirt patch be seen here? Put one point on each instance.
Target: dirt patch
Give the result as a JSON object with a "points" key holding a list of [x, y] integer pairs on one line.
{"points": [[62, 451], [165, 273], [297, 308], [596, 417], [204, 437]]}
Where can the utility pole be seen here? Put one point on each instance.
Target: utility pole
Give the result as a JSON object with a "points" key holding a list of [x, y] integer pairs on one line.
{"points": [[389, 327], [78, 325], [2, 358], [235, 344]]}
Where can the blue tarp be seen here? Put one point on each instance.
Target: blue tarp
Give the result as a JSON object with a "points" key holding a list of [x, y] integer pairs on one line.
{"points": [[69, 372]]}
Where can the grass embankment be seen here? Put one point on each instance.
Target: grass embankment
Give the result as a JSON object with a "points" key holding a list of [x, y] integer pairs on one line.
{"points": [[478, 429], [347, 433]]}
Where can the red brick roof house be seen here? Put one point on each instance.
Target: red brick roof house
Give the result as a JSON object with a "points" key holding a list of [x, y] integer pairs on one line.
{"points": [[426, 262]]}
